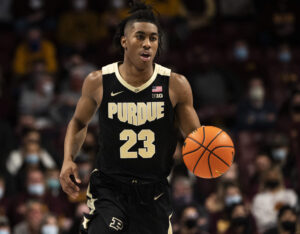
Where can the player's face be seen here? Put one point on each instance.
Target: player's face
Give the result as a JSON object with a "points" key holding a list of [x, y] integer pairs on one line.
{"points": [[140, 43]]}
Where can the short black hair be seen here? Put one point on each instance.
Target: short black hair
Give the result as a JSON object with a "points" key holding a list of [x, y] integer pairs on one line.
{"points": [[285, 208], [139, 12]]}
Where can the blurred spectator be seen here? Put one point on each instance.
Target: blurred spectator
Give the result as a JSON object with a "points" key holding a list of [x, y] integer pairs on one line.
{"points": [[34, 214], [4, 199], [182, 192], [287, 222], [4, 225], [34, 48], [5, 12], [256, 113], [35, 189], [193, 220], [200, 14], [168, 8], [283, 72], [80, 209], [55, 198], [230, 9], [38, 101], [278, 21], [262, 164], [34, 12], [271, 198], [289, 123], [229, 195], [67, 99], [240, 220], [29, 154], [85, 26], [78, 61], [90, 145], [283, 157], [49, 224]]}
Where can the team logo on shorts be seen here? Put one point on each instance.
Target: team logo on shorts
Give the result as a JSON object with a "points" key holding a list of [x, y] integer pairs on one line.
{"points": [[116, 224]]}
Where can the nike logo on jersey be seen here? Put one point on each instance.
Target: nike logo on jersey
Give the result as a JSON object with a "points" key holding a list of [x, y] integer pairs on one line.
{"points": [[115, 94], [158, 196]]}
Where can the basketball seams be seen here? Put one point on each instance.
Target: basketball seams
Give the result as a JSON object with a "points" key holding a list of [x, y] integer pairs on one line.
{"points": [[197, 143], [217, 156], [221, 161], [191, 151], [206, 148]]}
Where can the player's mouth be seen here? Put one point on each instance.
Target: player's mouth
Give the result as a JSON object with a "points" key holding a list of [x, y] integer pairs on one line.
{"points": [[145, 56]]}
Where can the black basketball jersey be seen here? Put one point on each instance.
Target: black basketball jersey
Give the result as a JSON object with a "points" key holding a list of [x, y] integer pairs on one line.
{"points": [[137, 134]]}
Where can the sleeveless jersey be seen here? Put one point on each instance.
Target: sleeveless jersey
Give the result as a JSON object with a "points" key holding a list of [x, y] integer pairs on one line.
{"points": [[137, 136]]}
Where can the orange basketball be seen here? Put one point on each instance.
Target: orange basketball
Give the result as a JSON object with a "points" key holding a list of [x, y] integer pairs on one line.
{"points": [[208, 152]]}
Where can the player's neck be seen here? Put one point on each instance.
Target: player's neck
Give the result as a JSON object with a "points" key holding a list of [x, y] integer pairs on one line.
{"points": [[132, 73]]}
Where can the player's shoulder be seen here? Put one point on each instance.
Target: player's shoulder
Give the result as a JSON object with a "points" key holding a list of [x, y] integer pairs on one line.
{"points": [[94, 77], [177, 80]]}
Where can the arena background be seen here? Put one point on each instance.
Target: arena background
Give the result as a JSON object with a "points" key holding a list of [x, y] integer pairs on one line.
{"points": [[242, 58]]}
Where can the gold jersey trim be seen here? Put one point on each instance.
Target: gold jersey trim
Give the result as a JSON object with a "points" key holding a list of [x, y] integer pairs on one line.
{"points": [[114, 68]]}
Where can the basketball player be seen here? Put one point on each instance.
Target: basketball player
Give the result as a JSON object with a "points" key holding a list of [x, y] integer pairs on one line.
{"points": [[138, 101]]}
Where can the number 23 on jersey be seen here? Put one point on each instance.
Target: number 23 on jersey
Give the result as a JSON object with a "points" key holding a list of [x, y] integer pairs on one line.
{"points": [[131, 138]]}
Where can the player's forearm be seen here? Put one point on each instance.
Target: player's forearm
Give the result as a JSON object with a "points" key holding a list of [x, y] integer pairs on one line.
{"points": [[74, 139]]}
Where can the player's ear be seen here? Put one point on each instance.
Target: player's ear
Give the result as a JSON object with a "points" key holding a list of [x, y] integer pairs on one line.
{"points": [[124, 42]]}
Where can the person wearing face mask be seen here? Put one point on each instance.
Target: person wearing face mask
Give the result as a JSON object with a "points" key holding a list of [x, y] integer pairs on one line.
{"points": [[34, 188], [241, 52], [30, 153], [34, 214], [33, 49], [283, 157], [193, 220], [271, 198], [255, 112], [37, 101], [287, 222], [86, 27], [4, 225], [4, 200], [56, 200], [284, 54], [49, 224], [241, 221]]}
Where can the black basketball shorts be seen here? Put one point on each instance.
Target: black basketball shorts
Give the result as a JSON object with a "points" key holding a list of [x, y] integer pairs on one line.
{"points": [[127, 208]]}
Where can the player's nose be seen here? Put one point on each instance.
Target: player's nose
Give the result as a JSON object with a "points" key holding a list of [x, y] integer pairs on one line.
{"points": [[146, 43]]}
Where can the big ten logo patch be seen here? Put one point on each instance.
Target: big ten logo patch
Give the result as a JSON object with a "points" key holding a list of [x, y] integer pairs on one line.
{"points": [[116, 224], [157, 95]]}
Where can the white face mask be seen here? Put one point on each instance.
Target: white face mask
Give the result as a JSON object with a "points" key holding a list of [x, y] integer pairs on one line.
{"points": [[234, 199], [36, 189], [4, 231], [1, 192], [48, 88], [279, 154], [117, 4], [49, 229], [79, 4], [257, 93], [36, 4]]}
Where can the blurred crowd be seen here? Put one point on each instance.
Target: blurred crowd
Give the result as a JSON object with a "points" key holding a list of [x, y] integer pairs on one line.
{"points": [[242, 59]]}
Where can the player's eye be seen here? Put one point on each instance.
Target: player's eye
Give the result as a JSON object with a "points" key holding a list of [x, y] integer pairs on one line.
{"points": [[153, 38], [140, 37]]}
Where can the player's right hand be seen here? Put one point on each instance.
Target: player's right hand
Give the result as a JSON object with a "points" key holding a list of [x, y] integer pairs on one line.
{"points": [[69, 178]]}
